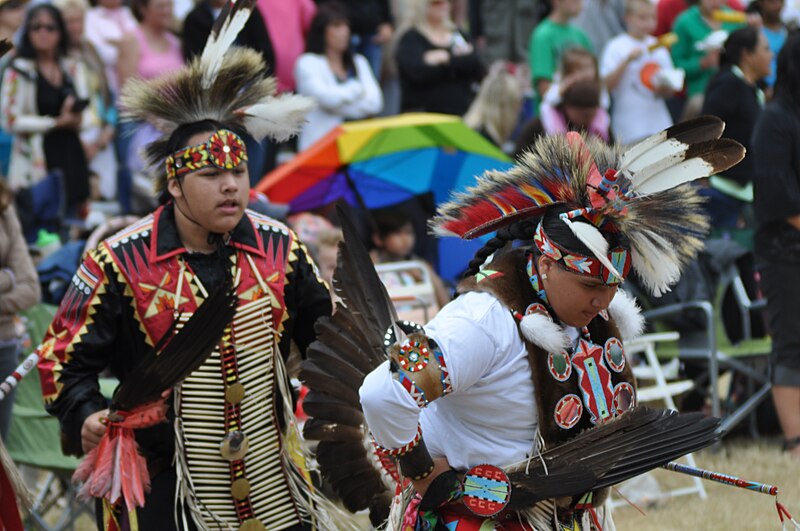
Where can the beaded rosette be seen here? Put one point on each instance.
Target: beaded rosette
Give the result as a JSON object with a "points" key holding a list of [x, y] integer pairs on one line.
{"points": [[223, 149]]}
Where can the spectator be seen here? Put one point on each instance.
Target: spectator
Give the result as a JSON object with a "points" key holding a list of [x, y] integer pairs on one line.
{"points": [[549, 40], [12, 14], [341, 82], [580, 110], [601, 20], [501, 28], [200, 20], [734, 95], [576, 64], [326, 252], [393, 241], [697, 56], [774, 29], [371, 28], [98, 135], [19, 290], [622, 69], [495, 111], [287, 24], [44, 103], [777, 243], [254, 35], [437, 64], [106, 25], [668, 10], [150, 49]]}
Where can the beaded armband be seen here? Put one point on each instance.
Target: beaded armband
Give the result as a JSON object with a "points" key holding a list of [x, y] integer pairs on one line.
{"points": [[418, 364], [415, 461]]}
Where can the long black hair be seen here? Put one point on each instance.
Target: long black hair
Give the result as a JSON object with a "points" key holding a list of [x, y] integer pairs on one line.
{"points": [[328, 14], [26, 49], [787, 84], [553, 226]]}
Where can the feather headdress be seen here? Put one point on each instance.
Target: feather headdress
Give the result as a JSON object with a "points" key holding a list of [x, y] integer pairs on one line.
{"points": [[223, 84], [639, 193]]}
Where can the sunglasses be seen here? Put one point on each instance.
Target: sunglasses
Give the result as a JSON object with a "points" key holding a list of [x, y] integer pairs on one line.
{"points": [[50, 28]]}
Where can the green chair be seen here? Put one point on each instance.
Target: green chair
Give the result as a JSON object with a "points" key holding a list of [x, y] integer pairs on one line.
{"points": [[748, 357]]}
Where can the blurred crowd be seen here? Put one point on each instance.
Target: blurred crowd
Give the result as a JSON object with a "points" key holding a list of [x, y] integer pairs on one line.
{"points": [[620, 70]]}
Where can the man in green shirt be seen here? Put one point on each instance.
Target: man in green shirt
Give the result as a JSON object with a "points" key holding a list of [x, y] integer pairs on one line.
{"points": [[550, 38]]}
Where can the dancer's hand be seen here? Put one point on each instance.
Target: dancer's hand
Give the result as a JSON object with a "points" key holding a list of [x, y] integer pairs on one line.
{"points": [[93, 429]]}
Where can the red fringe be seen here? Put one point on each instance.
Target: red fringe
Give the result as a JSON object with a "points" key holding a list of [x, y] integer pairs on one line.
{"points": [[114, 469]]}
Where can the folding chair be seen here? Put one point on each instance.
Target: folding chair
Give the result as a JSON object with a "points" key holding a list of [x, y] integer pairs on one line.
{"points": [[748, 357], [411, 289], [33, 441], [651, 369]]}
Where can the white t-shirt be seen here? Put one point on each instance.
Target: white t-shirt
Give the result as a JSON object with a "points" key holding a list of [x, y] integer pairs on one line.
{"points": [[636, 112], [490, 417]]}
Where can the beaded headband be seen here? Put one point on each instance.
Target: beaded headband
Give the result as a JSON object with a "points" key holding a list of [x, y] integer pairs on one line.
{"points": [[223, 149], [619, 257]]}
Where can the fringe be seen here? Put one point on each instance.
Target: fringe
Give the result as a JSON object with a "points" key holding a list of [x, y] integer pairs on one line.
{"points": [[314, 507], [25, 498]]}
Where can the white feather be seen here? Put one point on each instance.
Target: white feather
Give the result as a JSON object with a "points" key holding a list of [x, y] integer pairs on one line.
{"points": [[216, 46], [627, 315], [540, 330], [668, 150], [675, 175], [655, 261], [640, 148], [280, 117], [593, 239]]}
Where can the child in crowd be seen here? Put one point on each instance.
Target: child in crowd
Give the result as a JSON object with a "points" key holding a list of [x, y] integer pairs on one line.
{"points": [[577, 64], [549, 40], [393, 241], [495, 111], [630, 68], [326, 251]]}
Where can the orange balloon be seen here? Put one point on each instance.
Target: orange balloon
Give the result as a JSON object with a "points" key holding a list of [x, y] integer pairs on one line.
{"points": [[647, 73]]}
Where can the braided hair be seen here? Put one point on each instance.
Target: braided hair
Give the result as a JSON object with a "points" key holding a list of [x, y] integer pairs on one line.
{"points": [[520, 230]]}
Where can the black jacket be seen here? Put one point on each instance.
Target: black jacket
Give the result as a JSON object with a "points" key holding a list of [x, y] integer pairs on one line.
{"points": [[197, 27], [736, 102], [444, 88]]}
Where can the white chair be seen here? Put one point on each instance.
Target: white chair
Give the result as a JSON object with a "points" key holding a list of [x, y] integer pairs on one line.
{"points": [[665, 386]]}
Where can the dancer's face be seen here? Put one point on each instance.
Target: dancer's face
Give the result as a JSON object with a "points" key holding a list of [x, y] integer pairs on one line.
{"points": [[576, 299], [213, 197]]}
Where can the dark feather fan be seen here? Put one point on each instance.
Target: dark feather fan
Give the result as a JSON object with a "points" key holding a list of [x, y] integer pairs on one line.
{"points": [[626, 446], [349, 345], [176, 355]]}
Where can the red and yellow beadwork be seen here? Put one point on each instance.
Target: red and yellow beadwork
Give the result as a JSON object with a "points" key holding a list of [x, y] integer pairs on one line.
{"points": [[224, 149]]}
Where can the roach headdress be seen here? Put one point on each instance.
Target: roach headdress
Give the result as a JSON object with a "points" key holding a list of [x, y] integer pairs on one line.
{"points": [[640, 193], [223, 84]]}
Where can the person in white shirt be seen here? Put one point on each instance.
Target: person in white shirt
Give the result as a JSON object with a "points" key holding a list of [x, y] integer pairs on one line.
{"points": [[341, 83], [630, 62], [530, 354], [106, 24]]}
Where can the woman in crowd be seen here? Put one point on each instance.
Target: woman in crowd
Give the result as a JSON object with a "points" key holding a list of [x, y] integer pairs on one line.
{"points": [[19, 290], [44, 103], [437, 65], [341, 82], [776, 168], [98, 136], [150, 49], [12, 14], [734, 95], [695, 52]]}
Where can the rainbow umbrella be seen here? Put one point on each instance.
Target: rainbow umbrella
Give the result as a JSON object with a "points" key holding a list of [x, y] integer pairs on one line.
{"points": [[384, 161]]}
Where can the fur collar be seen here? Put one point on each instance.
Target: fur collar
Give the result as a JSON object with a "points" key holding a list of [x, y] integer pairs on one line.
{"points": [[543, 332]]}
